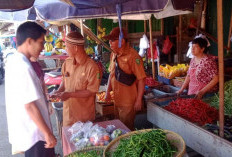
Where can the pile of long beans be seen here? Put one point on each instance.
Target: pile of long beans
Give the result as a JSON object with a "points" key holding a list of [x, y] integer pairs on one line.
{"points": [[145, 144], [214, 101]]}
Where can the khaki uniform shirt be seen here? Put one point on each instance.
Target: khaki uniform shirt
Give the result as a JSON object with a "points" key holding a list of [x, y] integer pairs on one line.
{"points": [[84, 76], [131, 63]]}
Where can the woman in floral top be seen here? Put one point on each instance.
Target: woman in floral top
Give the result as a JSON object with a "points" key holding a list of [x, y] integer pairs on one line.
{"points": [[202, 75]]}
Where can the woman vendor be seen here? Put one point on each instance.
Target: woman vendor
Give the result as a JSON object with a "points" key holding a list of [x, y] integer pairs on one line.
{"points": [[202, 76]]}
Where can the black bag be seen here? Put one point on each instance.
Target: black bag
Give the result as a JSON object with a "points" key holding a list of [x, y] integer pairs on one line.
{"points": [[121, 76]]}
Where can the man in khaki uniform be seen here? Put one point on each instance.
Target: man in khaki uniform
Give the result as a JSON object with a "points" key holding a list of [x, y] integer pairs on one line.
{"points": [[127, 96], [81, 80]]}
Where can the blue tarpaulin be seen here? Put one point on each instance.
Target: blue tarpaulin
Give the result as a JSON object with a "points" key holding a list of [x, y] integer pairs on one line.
{"points": [[53, 10]]}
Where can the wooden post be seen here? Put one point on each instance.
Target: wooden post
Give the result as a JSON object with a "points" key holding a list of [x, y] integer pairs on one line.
{"points": [[177, 43], [203, 15], [145, 26], [221, 66], [230, 31], [179, 55], [99, 47], [151, 49], [162, 27], [81, 22]]}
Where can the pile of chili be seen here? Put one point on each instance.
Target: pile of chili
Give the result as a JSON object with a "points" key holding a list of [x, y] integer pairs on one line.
{"points": [[194, 110]]}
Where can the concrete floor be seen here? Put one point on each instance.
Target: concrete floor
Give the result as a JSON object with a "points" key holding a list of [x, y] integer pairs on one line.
{"points": [[5, 146]]}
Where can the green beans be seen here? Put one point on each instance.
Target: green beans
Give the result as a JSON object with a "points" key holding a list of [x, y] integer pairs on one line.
{"points": [[214, 101], [145, 144]]}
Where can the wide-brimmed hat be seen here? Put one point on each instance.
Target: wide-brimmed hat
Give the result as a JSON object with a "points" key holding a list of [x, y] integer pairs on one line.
{"points": [[114, 34]]}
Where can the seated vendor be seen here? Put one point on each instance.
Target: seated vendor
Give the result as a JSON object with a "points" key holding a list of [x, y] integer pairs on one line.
{"points": [[202, 75]]}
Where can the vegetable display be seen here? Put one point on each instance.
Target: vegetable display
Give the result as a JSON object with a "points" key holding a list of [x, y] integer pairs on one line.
{"points": [[92, 153], [145, 144], [214, 101], [193, 110]]}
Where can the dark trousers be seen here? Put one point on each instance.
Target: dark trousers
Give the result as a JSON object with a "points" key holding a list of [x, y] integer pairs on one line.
{"points": [[38, 150]]}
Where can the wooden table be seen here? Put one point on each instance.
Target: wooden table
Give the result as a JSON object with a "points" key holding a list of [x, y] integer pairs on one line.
{"points": [[69, 147]]}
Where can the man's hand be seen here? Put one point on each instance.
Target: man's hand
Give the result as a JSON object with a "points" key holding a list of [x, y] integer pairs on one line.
{"points": [[64, 95], [50, 141], [138, 105]]}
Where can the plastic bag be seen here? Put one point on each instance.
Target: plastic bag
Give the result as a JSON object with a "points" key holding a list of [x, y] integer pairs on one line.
{"points": [[143, 45], [167, 46], [155, 53]]}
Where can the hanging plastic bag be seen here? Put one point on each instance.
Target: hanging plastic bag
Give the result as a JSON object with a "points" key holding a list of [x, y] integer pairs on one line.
{"points": [[167, 46], [143, 45], [155, 53]]}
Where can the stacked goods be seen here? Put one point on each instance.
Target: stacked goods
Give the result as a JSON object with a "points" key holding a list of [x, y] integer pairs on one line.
{"points": [[194, 110], [214, 101], [171, 72], [144, 143], [101, 96]]}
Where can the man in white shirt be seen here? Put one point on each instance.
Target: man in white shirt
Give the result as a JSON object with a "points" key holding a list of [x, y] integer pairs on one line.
{"points": [[28, 117]]}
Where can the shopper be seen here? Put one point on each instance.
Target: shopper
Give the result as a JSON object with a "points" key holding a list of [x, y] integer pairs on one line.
{"points": [[29, 125]]}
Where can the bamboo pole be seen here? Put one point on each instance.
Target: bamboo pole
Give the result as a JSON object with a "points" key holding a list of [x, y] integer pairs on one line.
{"points": [[162, 27], [81, 23], [230, 31], [179, 39], [221, 66], [203, 14], [151, 49], [145, 26]]}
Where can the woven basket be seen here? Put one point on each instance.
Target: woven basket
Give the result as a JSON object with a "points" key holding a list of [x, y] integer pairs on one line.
{"points": [[87, 149], [179, 144]]}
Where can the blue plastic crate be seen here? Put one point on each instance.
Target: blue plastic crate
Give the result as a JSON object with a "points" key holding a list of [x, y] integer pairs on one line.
{"points": [[164, 80]]}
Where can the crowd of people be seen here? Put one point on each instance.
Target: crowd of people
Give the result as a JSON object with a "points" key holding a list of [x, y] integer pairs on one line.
{"points": [[27, 103]]}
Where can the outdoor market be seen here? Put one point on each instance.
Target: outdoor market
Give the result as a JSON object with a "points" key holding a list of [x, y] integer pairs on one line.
{"points": [[103, 63]]}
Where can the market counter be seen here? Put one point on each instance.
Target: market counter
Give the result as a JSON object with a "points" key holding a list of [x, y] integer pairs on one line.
{"points": [[197, 138], [68, 147]]}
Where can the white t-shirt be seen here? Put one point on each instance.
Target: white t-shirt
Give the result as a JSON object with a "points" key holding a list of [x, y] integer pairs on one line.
{"points": [[22, 86]]}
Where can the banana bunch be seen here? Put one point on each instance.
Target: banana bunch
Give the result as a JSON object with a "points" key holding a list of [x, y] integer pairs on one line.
{"points": [[173, 71], [48, 38], [59, 43], [102, 33], [89, 50], [48, 47]]}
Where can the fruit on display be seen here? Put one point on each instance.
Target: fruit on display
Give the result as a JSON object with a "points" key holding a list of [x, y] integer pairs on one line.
{"points": [[48, 47], [89, 50], [59, 43], [48, 38], [101, 96], [171, 72]]}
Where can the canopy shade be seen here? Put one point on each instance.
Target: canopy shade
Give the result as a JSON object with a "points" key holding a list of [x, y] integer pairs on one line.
{"points": [[54, 10], [14, 5]]}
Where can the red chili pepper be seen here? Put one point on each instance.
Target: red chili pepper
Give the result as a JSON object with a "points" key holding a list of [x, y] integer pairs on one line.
{"points": [[193, 110]]}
